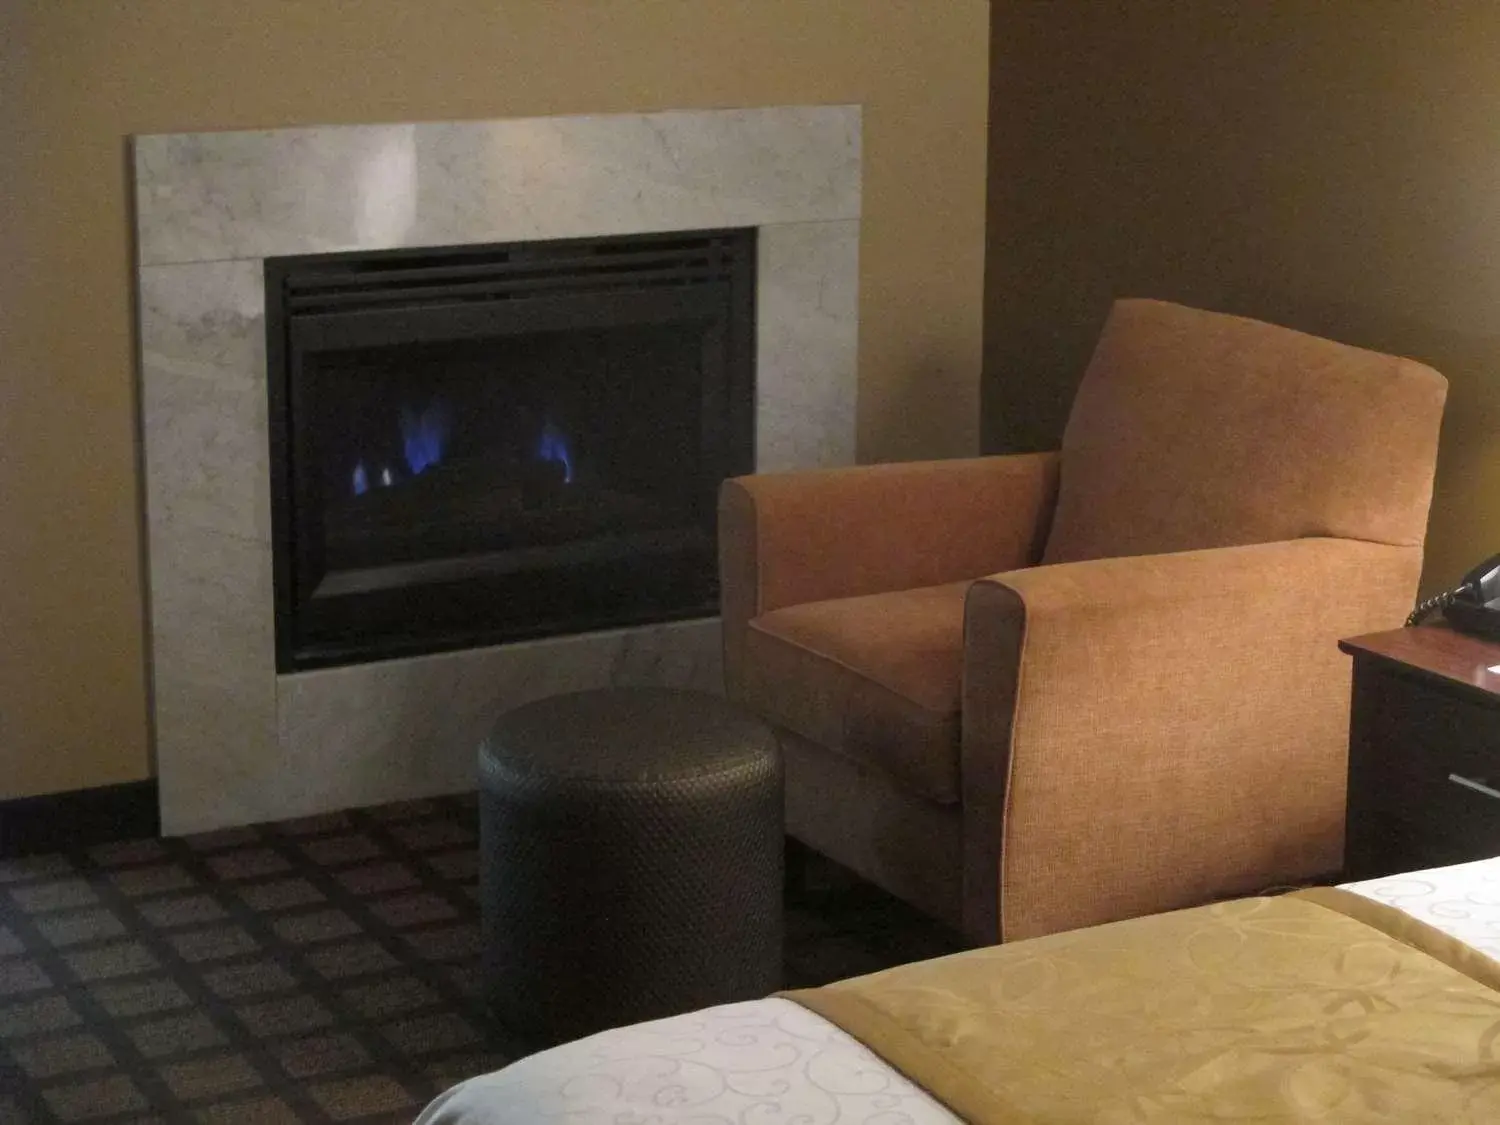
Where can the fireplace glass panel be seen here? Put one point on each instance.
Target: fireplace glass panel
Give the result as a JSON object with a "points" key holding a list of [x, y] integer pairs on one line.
{"points": [[487, 444], [428, 451]]}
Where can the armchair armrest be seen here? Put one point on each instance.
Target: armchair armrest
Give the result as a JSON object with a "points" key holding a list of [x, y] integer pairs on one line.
{"points": [[1146, 733], [790, 538]]}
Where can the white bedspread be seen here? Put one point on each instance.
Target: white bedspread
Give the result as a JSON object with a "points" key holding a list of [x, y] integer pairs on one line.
{"points": [[762, 1062], [772, 1062], [1462, 900]]}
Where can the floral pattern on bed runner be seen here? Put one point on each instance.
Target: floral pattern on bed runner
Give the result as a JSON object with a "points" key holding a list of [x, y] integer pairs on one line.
{"points": [[1308, 1008]]}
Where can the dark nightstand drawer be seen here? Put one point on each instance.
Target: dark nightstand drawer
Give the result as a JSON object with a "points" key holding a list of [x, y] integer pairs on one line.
{"points": [[1429, 732], [1412, 847], [1443, 754], [1424, 759], [1447, 819]]}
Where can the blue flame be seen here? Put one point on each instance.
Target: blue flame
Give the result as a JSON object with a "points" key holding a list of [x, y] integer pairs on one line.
{"points": [[424, 436], [361, 480], [553, 446]]}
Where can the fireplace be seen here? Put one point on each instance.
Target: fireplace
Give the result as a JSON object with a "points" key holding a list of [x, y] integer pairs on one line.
{"points": [[241, 731], [488, 443]]}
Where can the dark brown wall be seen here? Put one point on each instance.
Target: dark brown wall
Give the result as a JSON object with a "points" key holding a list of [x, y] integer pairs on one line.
{"points": [[1333, 165]]}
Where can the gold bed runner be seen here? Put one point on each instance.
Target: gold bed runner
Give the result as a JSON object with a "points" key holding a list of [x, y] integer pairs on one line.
{"points": [[1319, 1006]]}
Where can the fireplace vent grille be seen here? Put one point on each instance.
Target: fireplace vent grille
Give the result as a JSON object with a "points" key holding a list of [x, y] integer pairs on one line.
{"points": [[414, 279]]}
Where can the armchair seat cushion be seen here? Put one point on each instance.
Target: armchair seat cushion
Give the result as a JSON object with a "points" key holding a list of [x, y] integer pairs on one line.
{"points": [[875, 678]]}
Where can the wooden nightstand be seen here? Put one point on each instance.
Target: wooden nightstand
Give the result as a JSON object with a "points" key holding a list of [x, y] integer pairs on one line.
{"points": [[1424, 751]]}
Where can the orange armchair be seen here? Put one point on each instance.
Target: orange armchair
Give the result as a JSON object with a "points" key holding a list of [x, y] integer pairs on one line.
{"points": [[1029, 693]]}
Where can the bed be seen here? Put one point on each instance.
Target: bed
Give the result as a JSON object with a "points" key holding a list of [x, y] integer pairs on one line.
{"points": [[1375, 1002]]}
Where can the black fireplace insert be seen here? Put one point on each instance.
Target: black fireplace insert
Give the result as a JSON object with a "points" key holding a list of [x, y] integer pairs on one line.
{"points": [[481, 444]]}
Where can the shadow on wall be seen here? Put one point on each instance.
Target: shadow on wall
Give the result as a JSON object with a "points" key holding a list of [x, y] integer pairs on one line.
{"points": [[1328, 167], [1464, 524]]}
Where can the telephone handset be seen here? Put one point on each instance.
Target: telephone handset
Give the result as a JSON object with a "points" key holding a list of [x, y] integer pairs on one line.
{"points": [[1473, 605]]}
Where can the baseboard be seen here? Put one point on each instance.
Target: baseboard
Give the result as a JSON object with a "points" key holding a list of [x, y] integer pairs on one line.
{"points": [[78, 819]]}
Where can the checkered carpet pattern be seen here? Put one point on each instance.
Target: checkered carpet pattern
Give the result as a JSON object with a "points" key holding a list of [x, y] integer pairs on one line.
{"points": [[320, 970], [310, 971]]}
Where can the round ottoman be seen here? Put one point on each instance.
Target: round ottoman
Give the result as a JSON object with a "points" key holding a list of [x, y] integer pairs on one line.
{"points": [[630, 860]]}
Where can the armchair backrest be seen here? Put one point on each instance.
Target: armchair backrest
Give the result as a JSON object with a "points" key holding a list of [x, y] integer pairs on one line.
{"points": [[1196, 429]]}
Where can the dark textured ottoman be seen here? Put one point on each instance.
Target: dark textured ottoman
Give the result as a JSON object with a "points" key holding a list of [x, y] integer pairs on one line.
{"points": [[630, 860]]}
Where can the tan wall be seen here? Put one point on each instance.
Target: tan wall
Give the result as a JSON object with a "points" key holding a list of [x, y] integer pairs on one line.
{"points": [[79, 78], [1330, 165]]}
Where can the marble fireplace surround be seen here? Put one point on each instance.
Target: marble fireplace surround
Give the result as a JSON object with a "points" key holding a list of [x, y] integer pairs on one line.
{"points": [[236, 742]]}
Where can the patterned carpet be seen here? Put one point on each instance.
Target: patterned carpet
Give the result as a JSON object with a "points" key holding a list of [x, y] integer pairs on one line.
{"points": [[321, 970]]}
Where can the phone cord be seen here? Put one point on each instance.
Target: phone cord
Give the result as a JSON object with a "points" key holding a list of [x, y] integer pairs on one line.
{"points": [[1430, 606]]}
